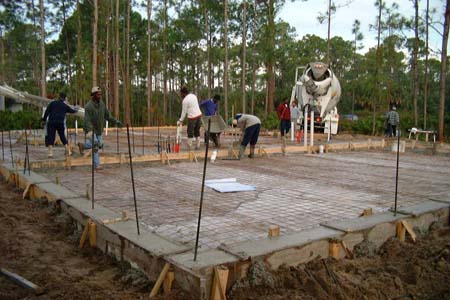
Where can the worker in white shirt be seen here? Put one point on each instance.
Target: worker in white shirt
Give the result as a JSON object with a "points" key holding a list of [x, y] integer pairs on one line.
{"points": [[190, 107]]}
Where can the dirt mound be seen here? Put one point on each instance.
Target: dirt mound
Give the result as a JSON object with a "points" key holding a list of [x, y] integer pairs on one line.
{"points": [[396, 271]]}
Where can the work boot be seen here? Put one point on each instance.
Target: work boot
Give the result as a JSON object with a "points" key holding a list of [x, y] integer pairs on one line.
{"points": [[197, 143], [241, 151], [252, 151], [68, 152], [81, 148], [189, 143], [50, 152]]}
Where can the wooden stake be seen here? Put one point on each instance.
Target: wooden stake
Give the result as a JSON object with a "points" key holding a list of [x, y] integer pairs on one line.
{"points": [[160, 280], [167, 284], [274, 231], [400, 231], [348, 252], [409, 230], [219, 283], [92, 234], [28, 191], [366, 212], [85, 233], [334, 249]]}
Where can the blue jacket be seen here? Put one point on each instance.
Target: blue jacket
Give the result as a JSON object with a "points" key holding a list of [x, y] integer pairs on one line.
{"points": [[209, 106], [56, 112]]}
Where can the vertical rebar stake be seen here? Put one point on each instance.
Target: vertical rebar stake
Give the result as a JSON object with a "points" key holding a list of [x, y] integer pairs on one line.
{"points": [[143, 141], [27, 155], [117, 139], [10, 148], [132, 137], [396, 172], [132, 179], [92, 168], [203, 188], [3, 147]]}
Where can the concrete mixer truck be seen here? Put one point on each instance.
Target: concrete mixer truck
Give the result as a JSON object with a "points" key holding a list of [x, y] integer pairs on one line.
{"points": [[317, 92]]}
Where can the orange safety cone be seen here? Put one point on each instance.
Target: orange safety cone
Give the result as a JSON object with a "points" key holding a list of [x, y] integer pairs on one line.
{"points": [[299, 135]]}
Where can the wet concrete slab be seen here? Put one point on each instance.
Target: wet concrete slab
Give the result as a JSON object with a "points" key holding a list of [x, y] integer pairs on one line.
{"points": [[296, 192]]}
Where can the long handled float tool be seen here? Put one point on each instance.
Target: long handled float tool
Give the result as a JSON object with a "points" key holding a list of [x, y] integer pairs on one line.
{"points": [[178, 139]]}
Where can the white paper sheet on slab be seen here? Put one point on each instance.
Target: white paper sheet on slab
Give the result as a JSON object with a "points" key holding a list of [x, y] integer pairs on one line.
{"points": [[228, 185]]}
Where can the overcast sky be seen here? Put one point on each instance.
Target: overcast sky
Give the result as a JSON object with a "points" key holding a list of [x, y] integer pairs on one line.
{"points": [[303, 16]]}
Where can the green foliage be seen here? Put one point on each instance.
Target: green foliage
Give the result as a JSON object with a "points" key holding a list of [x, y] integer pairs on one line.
{"points": [[270, 121], [27, 119]]}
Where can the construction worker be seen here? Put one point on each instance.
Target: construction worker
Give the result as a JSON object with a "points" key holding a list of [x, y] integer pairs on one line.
{"points": [[95, 114], [284, 114], [392, 120], [211, 107], [56, 113], [250, 126], [191, 108]]}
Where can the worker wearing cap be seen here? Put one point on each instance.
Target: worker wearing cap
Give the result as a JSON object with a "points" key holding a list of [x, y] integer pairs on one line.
{"points": [[211, 106], [56, 113], [191, 109], [392, 120], [250, 126], [95, 114]]}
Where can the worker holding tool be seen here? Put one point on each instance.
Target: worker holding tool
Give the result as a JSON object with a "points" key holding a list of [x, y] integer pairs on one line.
{"points": [[191, 108], [95, 114], [211, 107], [250, 126], [56, 113]]}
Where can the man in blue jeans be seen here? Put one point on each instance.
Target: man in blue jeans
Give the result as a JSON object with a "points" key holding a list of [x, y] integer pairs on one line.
{"points": [[250, 126], [95, 114]]}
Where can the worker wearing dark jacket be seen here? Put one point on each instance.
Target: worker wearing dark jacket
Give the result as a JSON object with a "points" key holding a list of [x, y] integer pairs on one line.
{"points": [[284, 114], [95, 114], [56, 113]]}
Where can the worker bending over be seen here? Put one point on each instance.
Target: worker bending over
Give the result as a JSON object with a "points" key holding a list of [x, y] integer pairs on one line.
{"points": [[250, 126]]}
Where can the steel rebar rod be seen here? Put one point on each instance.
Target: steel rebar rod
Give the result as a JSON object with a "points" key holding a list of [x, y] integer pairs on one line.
{"points": [[92, 168], [203, 189], [3, 147], [132, 137], [117, 139], [132, 179], [27, 155], [396, 172], [143, 140], [10, 148]]}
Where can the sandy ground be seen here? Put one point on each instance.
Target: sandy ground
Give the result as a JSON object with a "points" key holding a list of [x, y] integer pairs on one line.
{"points": [[41, 245]]}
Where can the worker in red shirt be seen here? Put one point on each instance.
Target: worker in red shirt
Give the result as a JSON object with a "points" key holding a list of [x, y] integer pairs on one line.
{"points": [[284, 114]]}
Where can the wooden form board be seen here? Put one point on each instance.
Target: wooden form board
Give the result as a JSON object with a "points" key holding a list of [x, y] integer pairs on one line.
{"points": [[73, 161]]}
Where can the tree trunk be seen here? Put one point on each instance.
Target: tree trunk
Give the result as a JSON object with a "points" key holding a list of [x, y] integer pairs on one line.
{"points": [[208, 47], [253, 58], [79, 95], [225, 65], [244, 49], [107, 67], [69, 68], [127, 79], [329, 31], [116, 63], [425, 89], [443, 73], [149, 61], [94, 44], [43, 64], [2, 55], [270, 59], [165, 63], [414, 62], [377, 70]]}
